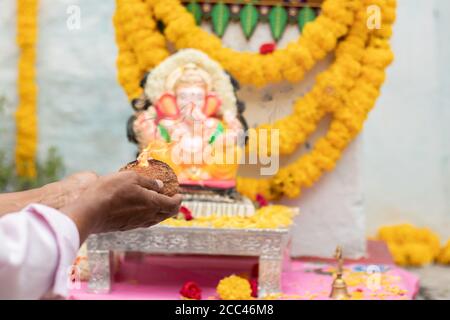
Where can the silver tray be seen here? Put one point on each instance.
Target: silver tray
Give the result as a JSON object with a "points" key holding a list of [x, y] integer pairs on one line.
{"points": [[269, 245]]}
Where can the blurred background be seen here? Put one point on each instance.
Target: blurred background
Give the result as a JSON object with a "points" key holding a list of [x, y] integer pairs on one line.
{"points": [[403, 155]]}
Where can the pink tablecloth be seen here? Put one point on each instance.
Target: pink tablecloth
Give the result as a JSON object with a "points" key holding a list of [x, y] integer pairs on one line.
{"points": [[161, 277]]}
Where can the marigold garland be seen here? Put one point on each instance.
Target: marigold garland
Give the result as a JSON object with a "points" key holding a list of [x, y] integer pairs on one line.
{"points": [[26, 114], [444, 255], [410, 245], [348, 118], [140, 47], [307, 111], [347, 90], [290, 63], [325, 97]]}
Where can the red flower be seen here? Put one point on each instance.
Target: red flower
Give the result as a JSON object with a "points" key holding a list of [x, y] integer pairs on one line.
{"points": [[267, 48], [186, 213], [255, 270], [262, 202], [191, 290], [254, 286]]}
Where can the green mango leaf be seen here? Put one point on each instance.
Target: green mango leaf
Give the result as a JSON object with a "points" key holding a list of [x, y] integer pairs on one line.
{"points": [[164, 133], [305, 16], [249, 19], [278, 18], [194, 8], [220, 16], [219, 130]]}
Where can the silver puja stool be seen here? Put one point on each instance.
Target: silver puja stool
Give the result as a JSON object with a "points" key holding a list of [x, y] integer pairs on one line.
{"points": [[269, 245]]}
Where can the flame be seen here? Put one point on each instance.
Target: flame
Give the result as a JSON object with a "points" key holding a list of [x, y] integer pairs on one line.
{"points": [[143, 158]]}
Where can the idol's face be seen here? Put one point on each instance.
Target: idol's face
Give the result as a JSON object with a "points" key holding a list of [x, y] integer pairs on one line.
{"points": [[190, 98]]}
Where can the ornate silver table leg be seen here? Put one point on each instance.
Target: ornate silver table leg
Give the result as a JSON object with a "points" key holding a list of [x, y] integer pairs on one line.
{"points": [[100, 271], [267, 245], [269, 279]]}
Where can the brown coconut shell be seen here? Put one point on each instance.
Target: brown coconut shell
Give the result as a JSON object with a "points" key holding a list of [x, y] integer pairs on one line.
{"points": [[157, 170]]}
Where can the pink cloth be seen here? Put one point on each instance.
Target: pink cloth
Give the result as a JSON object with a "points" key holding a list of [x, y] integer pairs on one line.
{"points": [[37, 248], [161, 277]]}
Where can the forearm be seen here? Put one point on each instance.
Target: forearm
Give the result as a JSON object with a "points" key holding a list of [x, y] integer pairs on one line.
{"points": [[52, 195]]}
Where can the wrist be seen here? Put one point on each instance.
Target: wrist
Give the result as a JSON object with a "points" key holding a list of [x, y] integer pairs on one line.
{"points": [[53, 195], [85, 217]]}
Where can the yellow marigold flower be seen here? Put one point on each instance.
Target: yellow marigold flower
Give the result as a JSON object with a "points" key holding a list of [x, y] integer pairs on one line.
{"points": [[269, 217], [234, 288], [410, 245], [397, 253], [418, 254], [444, 255], [356, 295]]}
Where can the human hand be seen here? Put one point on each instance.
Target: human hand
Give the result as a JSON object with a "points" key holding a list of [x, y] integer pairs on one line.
{"points": [[120, 202]]}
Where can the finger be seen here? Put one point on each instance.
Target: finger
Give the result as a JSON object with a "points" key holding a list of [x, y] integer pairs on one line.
{"points": [[166, 205], [150, 223], [173, 205], [165, 215], [177, 198], [150, 184]]}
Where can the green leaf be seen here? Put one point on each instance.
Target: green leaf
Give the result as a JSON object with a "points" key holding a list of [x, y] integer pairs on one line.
{"points": [[49, 170], [194, 8], [278, 18], [219, 130], [305, 16], [249, 19], [164, 133], [220, 15]]}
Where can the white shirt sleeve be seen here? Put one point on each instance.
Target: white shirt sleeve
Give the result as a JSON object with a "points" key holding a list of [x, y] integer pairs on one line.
{"points": [[37, 248]]}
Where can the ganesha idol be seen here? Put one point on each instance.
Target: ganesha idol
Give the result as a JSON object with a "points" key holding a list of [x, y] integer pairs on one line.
{"points": [[189, 118]]}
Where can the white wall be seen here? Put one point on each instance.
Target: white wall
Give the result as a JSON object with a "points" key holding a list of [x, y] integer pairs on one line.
{"points": [[407, 137], [8, 61], [82, 110]]}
